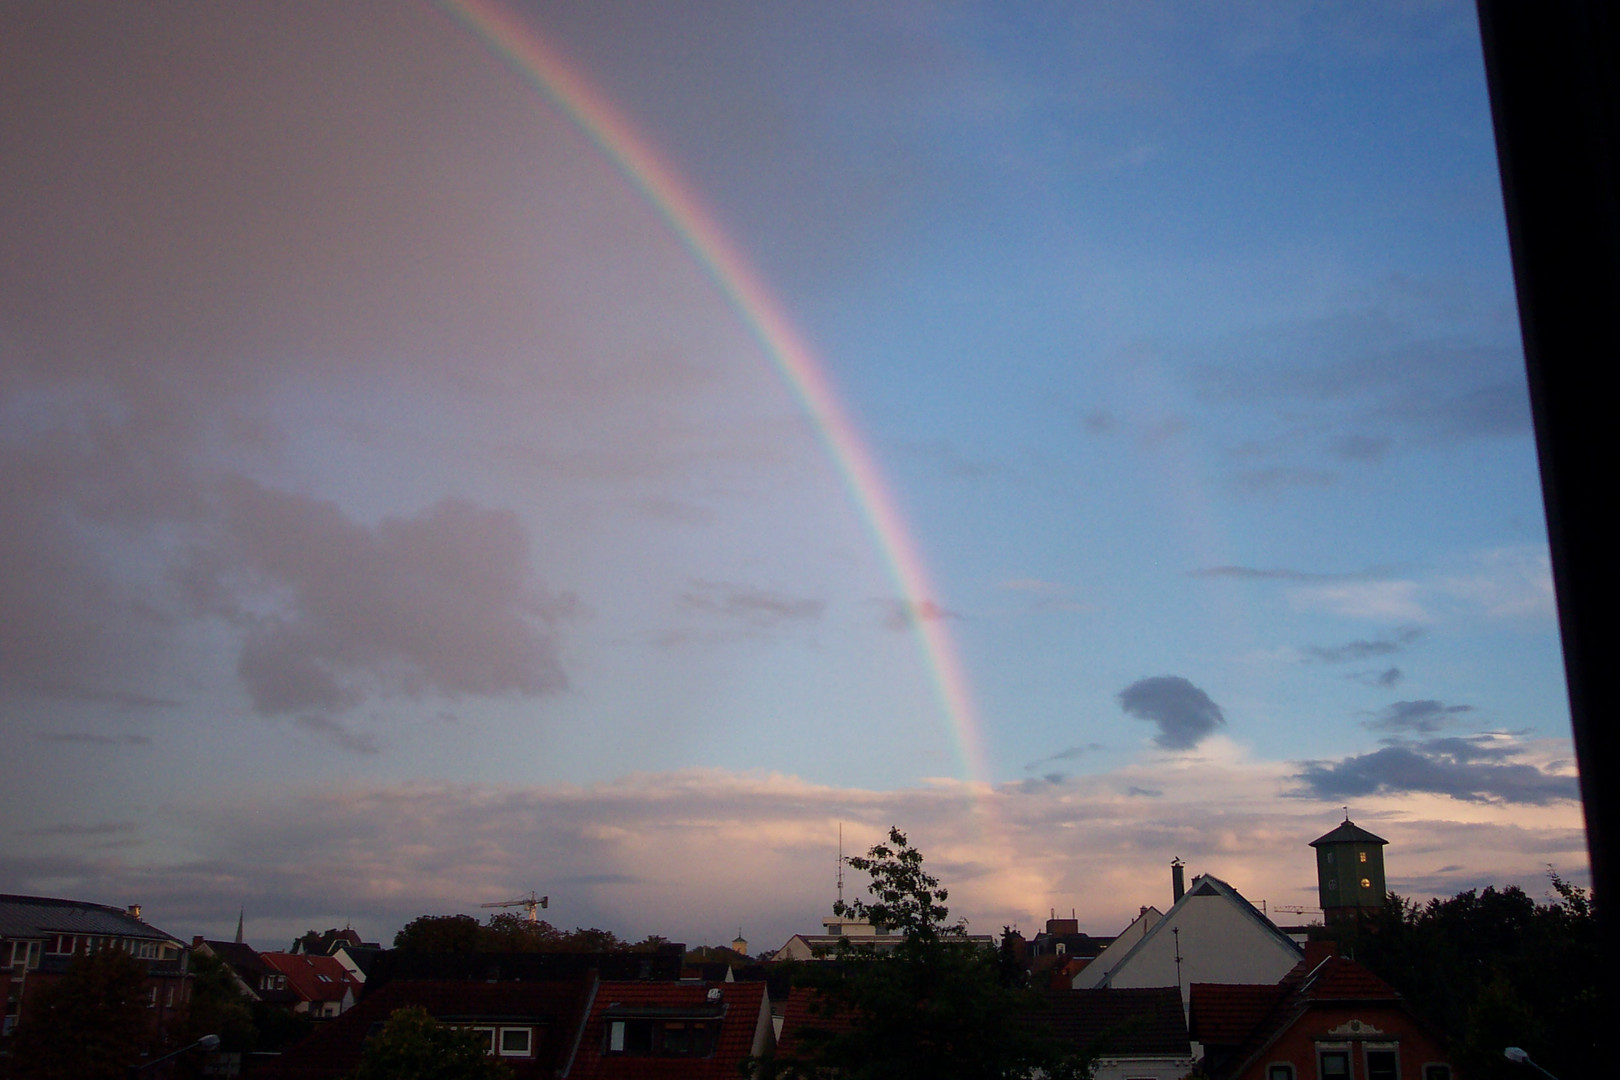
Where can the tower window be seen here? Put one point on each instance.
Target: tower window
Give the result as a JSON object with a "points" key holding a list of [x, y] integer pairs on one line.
{"points": [[1363, 856], [1366, 883]]}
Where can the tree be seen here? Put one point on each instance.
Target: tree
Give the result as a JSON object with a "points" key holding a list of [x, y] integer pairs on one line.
{"points": [[1492, 969], [440, 933], [90, 1024], [215, 1006], [414, 1046], [935, 1005]]}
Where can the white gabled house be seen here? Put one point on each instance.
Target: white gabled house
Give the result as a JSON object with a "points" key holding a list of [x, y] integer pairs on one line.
{"points": [[1210, 934]]}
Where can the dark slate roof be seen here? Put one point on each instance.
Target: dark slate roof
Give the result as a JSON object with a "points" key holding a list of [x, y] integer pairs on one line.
{"points": [[1349, 833], [333, 1049], [663, 963], [38, 916], [1119, 1022]]}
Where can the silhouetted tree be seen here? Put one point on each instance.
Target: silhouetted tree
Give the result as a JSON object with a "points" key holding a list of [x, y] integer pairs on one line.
{"points": [[440, 933], [935, 1005], [91, 1024], [414, 1046], [1492, 969]]}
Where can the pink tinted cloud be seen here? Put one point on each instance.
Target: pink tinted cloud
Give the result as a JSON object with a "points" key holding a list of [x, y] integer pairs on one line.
{"points": [[330, 609]]}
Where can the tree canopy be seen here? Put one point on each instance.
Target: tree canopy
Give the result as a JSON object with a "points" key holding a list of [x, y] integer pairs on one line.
{"points": [[90, 1024], [1493, 969], [414, 1046], [509, 933], [936, 1005]]}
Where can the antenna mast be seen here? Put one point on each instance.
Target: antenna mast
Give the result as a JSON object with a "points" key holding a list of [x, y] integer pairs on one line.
{"points": [[840, 864]]}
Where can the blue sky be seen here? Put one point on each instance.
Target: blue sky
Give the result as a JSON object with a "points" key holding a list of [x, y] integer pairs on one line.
{"points": [[403, 520]]}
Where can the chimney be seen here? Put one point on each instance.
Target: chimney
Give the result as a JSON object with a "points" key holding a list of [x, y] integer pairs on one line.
{"points": [[134, 911], [1318, 951], [1178, 881]]}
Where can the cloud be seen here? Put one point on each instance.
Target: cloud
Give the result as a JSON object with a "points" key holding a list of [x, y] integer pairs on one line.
{"points": [[755, 607], [1393, 369], [1359, 448], [1185, 715], [1475, 769], [1389, 601], [1044, 595], [1252, 573], [947, 459], [1424, 716], [901, 615], [1384, 680], [1068, 754], [1513, 582], [86, 738], [1366, 649], [332, 610], [1099, 422], [339, 735], [656, 853], [1280, 478], [70, 830]]}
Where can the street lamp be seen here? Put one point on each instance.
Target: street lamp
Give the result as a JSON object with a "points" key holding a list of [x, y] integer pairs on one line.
{"points": [[207, 1042], [1519, 1057]]}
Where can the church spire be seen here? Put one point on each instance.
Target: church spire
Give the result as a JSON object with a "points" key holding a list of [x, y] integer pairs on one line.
{"points": [[239, 914]]}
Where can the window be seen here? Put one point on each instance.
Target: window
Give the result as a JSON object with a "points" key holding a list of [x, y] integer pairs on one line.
{"points": [[1280, 1071], [1363, 856], [1333, 1064], [1366, 883], [489, 1038], [1434, 1070], [662, 1038], [1329, 858], [517, 1041], [1382, 1063]]}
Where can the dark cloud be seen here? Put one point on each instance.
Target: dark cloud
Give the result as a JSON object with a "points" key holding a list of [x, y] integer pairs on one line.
{"points": [[1281, 478], [1361, 448], [1099, 422], [1364, 649], [102, 829], [1185, 715], [1253, 573], [1474, 769], [1146, 793], [900, 615], [1424, 716], [1401, 371], [756, 607], [85, 738], [339, 735], [1067, 754], [947, 459], [332, 610]]}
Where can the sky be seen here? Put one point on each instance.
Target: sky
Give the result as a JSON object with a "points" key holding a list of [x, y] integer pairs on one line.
{"points": [[454, 450]]}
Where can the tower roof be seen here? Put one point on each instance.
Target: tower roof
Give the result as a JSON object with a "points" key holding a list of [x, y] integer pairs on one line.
{"points": [[1349, 833]]}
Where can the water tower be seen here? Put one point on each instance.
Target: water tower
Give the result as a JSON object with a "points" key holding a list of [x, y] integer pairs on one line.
{"points": [[1349, 872]]}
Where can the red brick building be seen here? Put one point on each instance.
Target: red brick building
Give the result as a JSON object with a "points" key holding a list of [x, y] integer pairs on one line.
{"points": [[1329, 1019]]}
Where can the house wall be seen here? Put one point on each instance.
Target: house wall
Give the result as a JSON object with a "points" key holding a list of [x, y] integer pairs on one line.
{"points": [[1092, 976], [1143, 1068], [1219, 943], [1379, 1025]]}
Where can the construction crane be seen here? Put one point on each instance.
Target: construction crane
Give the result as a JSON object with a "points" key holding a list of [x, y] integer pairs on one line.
{"points": [[1297, 910], [531, 904]]}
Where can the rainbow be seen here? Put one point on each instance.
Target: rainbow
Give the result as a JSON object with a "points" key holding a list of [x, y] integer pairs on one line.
{"points": [[537, 63]]}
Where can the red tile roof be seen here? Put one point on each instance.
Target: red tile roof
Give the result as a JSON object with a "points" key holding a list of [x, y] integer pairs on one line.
{"points": [[1225, 1014], [313, 978], [739, 1008]]}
